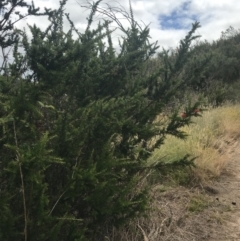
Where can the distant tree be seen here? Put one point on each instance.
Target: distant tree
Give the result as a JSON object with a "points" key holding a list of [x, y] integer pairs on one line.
{"points": [[213, 68]]}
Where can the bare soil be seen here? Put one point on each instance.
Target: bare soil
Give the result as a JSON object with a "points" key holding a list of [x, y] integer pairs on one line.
{"points": [[228, 187]]}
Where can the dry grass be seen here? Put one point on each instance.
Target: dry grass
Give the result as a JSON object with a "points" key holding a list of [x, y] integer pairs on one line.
{"points": [[177, 214], [208, 139]]}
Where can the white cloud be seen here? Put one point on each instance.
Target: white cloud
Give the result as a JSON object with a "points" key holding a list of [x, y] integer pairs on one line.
{"points": [[215, 16]]}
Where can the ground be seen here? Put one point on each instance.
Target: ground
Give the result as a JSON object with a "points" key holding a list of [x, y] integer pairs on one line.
{"points": [[209, 211], [228, 187]]}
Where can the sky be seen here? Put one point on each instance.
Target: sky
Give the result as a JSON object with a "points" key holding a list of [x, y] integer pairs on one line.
{"points": [[169, 20]]}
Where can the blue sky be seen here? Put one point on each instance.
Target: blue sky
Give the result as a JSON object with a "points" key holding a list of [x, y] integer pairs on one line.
{"points": [[170, 20], [177, 18], [174, 20]]}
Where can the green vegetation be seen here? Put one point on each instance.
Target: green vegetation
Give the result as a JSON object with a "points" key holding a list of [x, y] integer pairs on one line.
{"points": [[83, 128]]}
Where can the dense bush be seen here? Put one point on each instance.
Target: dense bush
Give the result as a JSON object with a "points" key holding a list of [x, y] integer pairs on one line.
{"points": [[77, 120]]}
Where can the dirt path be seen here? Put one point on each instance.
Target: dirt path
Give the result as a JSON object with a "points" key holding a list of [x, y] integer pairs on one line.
{"points": [[228, 196], [210, 212]]}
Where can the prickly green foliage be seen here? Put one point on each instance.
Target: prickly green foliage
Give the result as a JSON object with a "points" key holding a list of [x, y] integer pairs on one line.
{"points": [[77, 123], [9, 15]]}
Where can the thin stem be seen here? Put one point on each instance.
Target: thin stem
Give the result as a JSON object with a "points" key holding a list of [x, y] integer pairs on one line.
{"points": [[56, 203], [22, 183]]}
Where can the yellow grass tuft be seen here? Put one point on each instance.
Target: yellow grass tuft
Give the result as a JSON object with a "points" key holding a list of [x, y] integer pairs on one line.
{"points": [[209, 139]]}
